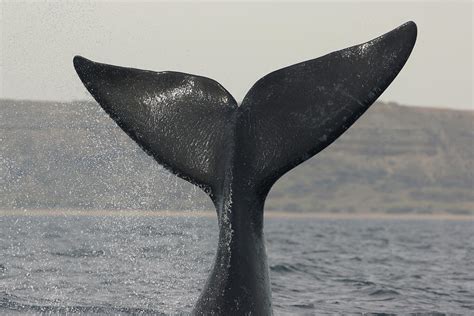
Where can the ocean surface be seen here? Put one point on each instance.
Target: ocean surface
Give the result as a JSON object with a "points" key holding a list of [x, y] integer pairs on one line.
{"points": [[149, 265]]}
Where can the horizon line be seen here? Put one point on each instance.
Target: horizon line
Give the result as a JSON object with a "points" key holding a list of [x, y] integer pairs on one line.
{"points": [[212, 214]]}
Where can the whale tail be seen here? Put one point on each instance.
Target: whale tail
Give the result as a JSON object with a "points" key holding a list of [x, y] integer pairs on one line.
{"points": [[186, 122], [193, 126]]}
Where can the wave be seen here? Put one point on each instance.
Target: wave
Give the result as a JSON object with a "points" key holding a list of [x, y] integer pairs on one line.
{"points": [[384, 292], [79, 253]]}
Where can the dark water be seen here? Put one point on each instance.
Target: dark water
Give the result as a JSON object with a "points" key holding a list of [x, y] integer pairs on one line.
{"points": [[154, 265]]}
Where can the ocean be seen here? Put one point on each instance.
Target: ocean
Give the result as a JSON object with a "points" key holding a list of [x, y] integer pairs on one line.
{"points": [[148, 265]]}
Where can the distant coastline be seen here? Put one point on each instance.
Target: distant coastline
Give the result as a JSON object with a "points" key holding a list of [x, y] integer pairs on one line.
{"points": [[390, 103], [403, 161]]}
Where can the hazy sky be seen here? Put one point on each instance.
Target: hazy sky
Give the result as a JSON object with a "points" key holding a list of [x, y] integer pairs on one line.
{"points": [[235, 43]]}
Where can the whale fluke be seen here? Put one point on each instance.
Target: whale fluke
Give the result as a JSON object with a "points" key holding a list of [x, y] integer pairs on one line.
{"points": [[179, 119], [194, 127], [295, 112]]}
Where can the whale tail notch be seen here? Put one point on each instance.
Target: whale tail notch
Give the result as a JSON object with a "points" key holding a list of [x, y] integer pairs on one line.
{"points": [[188, 123]]}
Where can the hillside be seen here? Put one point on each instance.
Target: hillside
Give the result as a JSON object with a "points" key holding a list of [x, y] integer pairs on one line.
{"points": [[395, 159]]}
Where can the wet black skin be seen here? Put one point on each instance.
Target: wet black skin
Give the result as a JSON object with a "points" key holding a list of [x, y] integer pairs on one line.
{"points": [[194, 127]]}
